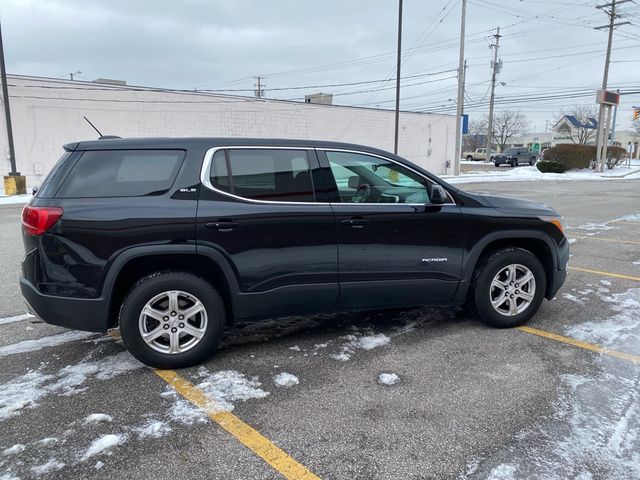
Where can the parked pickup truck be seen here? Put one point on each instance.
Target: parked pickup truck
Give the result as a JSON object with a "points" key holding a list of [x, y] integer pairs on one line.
{"points": [[480, 154]]}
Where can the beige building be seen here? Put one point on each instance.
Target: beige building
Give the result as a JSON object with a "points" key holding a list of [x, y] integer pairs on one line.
{"points": [[47, 113]]}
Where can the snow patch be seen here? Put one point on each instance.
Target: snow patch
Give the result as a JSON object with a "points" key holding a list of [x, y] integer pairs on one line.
{"points": [[16, 318], [295, 348], [502, 472], [16, 449], [103, 444], [573, 298], [52, 465], [47, 442], [40, 343], [354, 342], [388, 379], [98, 418], [285, 379], [25, 391], [99, 465], [153, 428], [228, 386]]}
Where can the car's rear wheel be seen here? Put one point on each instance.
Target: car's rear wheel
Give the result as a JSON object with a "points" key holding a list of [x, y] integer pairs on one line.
{"points": [[508, 287], [172, 319], [469, 158], [533, 161]]}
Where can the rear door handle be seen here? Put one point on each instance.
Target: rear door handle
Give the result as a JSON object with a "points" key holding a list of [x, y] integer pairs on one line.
{"points": [[355, 222], [222, 225]]}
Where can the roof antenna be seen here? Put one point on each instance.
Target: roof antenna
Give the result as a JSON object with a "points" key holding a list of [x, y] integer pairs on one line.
{"points": [[94, 127]]}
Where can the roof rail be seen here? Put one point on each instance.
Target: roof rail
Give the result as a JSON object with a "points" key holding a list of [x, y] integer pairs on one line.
{"points": [[108, 137]]}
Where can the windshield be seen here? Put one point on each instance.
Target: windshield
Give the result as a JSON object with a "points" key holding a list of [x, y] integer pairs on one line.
{"points": [[510, 151]]}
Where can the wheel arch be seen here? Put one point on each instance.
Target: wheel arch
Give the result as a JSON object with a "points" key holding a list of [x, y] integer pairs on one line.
{"points": [[535, 242], [138, 262]]}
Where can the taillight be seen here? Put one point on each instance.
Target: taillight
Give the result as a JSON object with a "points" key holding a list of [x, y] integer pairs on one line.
{"points": [[37, 220]]}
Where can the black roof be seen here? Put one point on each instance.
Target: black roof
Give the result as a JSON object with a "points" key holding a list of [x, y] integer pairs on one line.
{"points": [[207, 142]]}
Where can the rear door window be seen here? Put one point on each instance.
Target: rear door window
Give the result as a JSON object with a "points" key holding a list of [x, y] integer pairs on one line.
{"points": [[122, 173], [263, 174]]}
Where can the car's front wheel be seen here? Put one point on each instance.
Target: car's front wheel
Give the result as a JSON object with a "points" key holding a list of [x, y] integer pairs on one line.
{"points": [[469, 158], [508, 287], [172, 319]]}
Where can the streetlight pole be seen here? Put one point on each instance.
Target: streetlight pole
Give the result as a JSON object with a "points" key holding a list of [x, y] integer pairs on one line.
{"points": [[7, 110], [493, 90], [398, 64], [460, 106]]}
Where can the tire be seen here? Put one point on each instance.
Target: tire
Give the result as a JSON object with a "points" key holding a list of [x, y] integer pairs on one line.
{"points": [[496, 164], [533, 161], [156, 292], [483, 291], [514, 163], [469, 158]]}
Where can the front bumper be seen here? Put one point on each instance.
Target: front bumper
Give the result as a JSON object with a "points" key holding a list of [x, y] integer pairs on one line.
{"points": [[501, 161], [90, 314]]}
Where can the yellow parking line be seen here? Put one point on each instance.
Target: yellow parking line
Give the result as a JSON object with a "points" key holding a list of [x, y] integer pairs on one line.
{"points": [[613, 240], [580, 344], [624, 222], [244, 433], [605, 274]]}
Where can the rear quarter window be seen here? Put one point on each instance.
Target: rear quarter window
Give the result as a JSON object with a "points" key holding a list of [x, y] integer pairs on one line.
{"points": [[122, 173]]}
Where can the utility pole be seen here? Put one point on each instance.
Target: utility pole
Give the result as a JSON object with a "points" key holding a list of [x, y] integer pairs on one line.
{"points": [[7, 110], [460, 105], [398, 64], [259, 91], [496, 69], [601, 137]]}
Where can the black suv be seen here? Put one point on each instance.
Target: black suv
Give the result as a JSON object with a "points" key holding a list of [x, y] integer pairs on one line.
{"points": [[173, 240], [514, 157]]}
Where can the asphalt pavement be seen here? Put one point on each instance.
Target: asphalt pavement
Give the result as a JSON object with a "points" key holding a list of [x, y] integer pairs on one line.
{"points": [[559, 400]]}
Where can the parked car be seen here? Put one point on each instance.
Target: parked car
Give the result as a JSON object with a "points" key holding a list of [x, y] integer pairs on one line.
{"points": [[515, 157], [479, 154], [173, 240]]}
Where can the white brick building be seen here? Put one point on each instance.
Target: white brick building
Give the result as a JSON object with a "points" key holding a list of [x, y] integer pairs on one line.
{"points": [[47, 113]]}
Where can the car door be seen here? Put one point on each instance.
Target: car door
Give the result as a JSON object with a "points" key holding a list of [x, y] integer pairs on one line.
{"points": [[523, 156], [395, 248], [258, 207]]}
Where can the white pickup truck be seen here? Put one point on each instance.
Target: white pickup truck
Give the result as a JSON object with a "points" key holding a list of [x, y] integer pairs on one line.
{"points": [[480, 154]]}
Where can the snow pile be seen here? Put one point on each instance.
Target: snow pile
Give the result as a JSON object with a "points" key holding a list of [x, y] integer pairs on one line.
{"points": [[47, 442], [16, 449], [25, 391], [103, 444], [285, 379], [388, 379], [15, 199], [98, 418], [528, 173], [43, 342], [354, 342], [228, 386]]}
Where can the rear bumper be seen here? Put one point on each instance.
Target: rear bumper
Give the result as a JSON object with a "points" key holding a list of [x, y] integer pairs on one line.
{"points": [[90, 314]]}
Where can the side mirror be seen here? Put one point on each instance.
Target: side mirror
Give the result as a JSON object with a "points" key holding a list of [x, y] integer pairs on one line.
{"points": [[438, 195], [354, 182], [34, 190]]}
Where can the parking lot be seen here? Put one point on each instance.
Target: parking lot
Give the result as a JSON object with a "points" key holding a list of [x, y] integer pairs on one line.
{"points": [[559, 398]]}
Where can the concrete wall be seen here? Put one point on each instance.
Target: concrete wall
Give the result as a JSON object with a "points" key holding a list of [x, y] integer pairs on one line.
{"points": [[48, 113]]}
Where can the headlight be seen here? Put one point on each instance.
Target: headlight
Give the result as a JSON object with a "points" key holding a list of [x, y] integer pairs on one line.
{"points": [[557, 221]]}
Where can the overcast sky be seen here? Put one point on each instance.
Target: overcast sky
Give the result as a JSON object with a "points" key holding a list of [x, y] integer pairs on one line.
{"points": [[548, 47]]}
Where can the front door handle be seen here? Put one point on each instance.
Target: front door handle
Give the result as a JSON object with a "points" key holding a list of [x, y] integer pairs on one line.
{"points": [[222, 225], [355, 222]]}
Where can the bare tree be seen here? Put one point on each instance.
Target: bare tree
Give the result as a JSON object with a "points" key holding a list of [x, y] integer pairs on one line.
{"points": [[476, 135], [508, 124], [582, 134]]}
